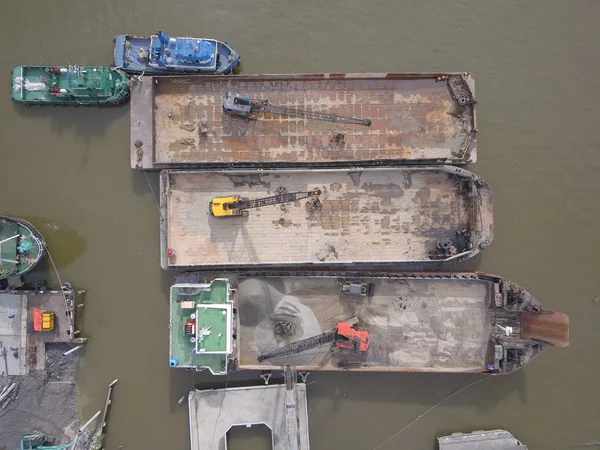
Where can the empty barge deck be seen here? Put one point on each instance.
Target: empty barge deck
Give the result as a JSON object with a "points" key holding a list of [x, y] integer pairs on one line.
{"points": [[416, 118], [367, 216]]}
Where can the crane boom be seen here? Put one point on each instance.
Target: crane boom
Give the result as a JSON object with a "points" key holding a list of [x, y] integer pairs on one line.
{"points": [[265, 106], [300, 346], [243, 105]]}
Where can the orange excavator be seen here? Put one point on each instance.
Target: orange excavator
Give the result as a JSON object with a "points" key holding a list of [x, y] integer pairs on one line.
{"points": [[345, 336]]}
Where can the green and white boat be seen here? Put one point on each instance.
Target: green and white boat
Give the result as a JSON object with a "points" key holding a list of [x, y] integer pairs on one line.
{"points": [[21, 247], [69, 85]]}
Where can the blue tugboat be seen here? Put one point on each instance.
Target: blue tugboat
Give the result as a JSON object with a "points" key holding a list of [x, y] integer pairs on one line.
{"points": [[160, 54]]}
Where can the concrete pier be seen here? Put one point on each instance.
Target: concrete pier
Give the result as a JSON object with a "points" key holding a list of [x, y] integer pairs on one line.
{"points": [[213, 413], [25, 348]]}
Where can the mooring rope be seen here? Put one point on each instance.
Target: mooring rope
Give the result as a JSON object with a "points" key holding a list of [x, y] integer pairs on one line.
{"points": [[62, 291], [153, 195], [426, 412], [56, 273]]}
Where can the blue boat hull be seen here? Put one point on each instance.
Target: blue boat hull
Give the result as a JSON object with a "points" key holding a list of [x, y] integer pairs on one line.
{"points": [[128, 50]]}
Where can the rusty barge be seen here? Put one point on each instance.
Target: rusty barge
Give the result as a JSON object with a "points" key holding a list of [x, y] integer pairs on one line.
{"points": [[183, 122], [410, 322], [409, 216]]}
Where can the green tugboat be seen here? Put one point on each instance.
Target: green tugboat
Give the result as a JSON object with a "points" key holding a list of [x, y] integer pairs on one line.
{"points": [[69, 85], [21, 247]]}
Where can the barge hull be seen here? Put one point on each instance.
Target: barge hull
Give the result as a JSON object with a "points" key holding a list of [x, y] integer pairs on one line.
{"points": [[443, 322], [415, 119], [368, 216]]}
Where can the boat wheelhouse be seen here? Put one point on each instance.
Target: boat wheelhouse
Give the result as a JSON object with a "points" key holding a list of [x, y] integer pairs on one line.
{"points": [[161, 54], [69, 85]]}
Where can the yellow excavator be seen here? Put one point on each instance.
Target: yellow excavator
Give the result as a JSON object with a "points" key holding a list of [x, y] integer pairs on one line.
{"points": [[238, 206]]}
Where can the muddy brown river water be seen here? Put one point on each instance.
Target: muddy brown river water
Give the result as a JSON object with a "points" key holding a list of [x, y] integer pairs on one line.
{"points": [[536, 66]]}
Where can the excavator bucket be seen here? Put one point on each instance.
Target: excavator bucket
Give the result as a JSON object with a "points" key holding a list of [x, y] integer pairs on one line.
{"points": [[549, 327]]}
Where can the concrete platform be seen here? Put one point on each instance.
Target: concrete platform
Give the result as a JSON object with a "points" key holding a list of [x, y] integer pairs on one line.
{"points": [[17, 335], [368, 216], [214, 412], [13, 334], [414, 120]]}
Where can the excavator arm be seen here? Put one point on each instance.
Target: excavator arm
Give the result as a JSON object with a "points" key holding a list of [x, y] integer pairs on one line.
{"points": [[301, 346], [274, 200], [235, 206], [345, 336]]}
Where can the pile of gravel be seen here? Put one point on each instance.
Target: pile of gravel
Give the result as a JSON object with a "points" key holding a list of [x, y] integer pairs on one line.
{"points": [[45, 401]]}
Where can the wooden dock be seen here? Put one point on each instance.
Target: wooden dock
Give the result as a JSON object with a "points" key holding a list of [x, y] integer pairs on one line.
{"points": [[17, 335], [416, 118]]}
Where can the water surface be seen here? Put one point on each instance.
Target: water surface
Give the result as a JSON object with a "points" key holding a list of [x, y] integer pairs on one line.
{"points": [[536, 66]]}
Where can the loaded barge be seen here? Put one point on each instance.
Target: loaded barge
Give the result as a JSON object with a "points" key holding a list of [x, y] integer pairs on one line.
{"points": [[399, 322], [410, 216], [294, 120]]}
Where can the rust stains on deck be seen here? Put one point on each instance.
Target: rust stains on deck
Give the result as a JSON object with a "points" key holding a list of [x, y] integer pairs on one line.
{"points": [[549, 327], [414, 119]]}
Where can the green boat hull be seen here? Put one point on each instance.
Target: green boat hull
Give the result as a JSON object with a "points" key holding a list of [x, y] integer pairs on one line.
{"points": [[69, 85], [21, 247]]}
